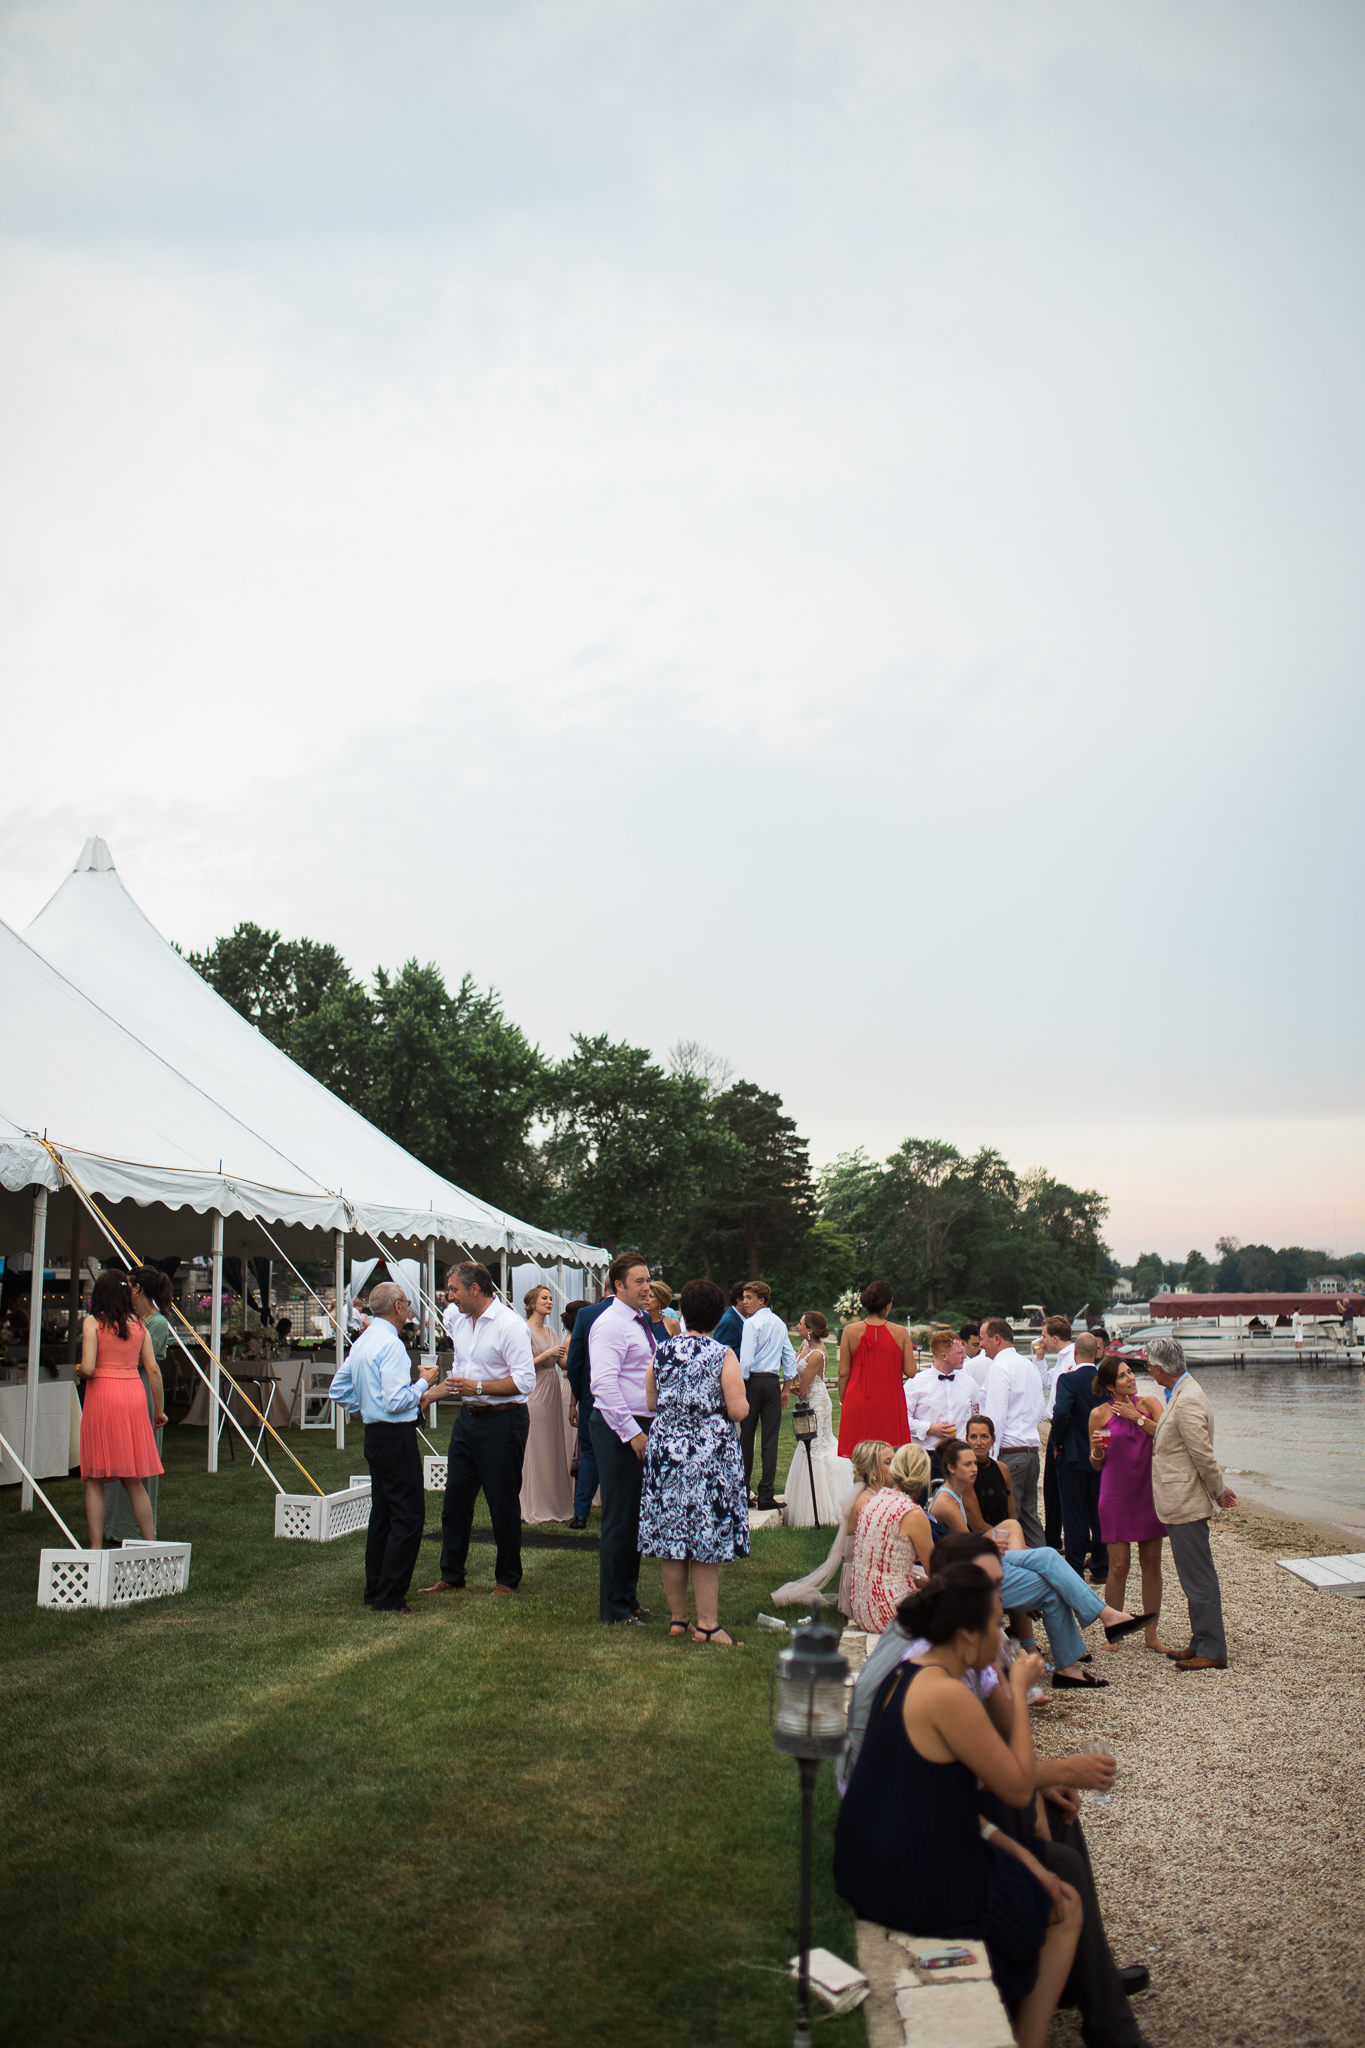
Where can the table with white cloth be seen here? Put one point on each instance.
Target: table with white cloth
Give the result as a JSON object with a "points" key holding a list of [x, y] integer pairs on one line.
{"points": [[59, 1430], [287, 1371]]}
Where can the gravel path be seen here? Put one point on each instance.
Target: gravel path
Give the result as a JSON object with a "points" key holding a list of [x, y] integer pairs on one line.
{"points": [[1232, 1859]]}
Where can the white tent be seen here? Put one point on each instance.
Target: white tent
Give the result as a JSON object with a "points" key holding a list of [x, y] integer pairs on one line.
{"points": [[159, 1096], [133, 1129], [96, 935]]}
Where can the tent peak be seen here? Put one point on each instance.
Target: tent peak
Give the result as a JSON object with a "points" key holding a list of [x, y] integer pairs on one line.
{"points": [[94, 858]]}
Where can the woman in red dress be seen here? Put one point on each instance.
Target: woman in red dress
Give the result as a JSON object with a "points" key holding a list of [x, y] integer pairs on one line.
{"points": [[116, 1435], [876, 1358]]}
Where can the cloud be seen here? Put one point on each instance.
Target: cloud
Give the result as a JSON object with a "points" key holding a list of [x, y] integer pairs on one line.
{"points": [[877, 480]]}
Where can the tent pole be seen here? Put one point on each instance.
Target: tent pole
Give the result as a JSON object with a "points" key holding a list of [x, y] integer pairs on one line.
{"points": [[35, 1339], [506, 1276], [215, 1332], [338, 1412], [430, 1316], [73, 1289]]}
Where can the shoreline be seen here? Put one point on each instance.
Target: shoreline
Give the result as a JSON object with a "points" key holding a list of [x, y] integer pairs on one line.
{"points": [[1266, 1528]]}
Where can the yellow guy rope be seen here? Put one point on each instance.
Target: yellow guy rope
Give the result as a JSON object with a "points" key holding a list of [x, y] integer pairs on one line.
{"points": [[107, 1227]]}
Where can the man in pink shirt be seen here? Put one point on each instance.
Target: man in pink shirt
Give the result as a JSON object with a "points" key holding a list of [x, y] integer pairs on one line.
{"points": [[620, 1347]]}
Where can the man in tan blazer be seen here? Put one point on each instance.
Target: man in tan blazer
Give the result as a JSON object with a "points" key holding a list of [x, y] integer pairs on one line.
{"points": [[1187, 1484]]}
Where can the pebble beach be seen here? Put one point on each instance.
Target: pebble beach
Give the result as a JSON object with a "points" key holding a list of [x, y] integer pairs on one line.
{"points": [[1232, 1857]]}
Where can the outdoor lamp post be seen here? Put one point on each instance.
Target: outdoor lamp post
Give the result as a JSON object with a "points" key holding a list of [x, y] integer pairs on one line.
{"points": [[804, 1426], [809, 1716]]}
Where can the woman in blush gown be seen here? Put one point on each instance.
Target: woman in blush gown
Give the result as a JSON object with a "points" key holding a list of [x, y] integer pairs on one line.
{"points": [[116, 1430], [546, 1488], [833, 1474], [876, 1358], [1127, 1512]]}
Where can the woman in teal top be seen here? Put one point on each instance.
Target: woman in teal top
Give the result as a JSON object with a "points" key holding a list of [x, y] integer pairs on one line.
{"points": [[151, 1292]]}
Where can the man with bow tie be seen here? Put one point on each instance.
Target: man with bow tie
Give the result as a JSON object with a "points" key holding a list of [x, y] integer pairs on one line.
{"points": [[620, 1347], [939, 1403]]}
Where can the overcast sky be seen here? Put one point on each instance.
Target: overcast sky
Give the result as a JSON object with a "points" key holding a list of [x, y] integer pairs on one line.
{"points": [[833, 530]]}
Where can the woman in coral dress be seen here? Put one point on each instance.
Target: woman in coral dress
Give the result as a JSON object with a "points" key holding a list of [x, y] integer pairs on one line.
{"points": [[116, 1431], [546, 1488], [876, 1358]]}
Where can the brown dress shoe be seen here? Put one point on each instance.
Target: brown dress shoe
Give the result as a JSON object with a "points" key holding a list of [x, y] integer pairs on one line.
{"points": [[504, 1589], [1201, 1663], [444, 1586], [1188, 1651]]}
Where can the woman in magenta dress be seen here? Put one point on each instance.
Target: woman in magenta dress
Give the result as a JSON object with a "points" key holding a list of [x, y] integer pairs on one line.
{"points": [[876, 1358], [116, 1433], [1121, 1435]]}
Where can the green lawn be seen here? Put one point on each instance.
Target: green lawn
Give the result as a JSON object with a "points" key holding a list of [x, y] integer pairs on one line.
{"points": [[258, 1813]]}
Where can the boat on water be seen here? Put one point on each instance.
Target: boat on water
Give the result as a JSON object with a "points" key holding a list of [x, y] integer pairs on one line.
{"points": [[1235, 1329]]}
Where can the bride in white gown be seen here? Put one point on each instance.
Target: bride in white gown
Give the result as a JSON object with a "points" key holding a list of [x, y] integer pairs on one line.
{"points": [[833, 1475]]}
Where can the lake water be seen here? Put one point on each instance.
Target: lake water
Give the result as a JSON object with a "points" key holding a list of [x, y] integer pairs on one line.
{"points": [[1291, 1437]]}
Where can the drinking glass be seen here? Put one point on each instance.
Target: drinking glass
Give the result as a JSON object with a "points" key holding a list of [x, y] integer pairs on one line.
{"points": [[1094, 1798]]}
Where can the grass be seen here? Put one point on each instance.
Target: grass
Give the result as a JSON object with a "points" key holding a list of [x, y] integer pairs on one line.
{"points": [[258, 1813]]}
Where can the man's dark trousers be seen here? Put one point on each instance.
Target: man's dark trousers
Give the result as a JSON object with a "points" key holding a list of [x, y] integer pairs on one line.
{"points": [[1052, 1500], [1080, 1491], [1107, 2019], [620, 1474], [487, 1446], [764, 1393], [398, 1510], [585, 1484]]}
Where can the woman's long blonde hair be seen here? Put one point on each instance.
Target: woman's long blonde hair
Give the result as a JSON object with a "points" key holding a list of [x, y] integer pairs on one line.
{"points": [[910, 1468], [867, 1460]]}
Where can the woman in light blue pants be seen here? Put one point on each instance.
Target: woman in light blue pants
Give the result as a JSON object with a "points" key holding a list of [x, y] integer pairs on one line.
{"points": [[1043, 1579]]}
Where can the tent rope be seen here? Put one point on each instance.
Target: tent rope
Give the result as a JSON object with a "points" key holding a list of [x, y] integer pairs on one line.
{"points": [[9, 1449], [123, 1246]]}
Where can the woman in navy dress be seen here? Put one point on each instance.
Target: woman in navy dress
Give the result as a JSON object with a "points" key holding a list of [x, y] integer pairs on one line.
{"points": [[694, 1507], [909, 1850]]}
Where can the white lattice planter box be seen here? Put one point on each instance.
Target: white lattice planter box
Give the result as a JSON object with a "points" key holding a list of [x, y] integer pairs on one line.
{"points": [[434, 1474], [320, 1517], [112, 1578]]}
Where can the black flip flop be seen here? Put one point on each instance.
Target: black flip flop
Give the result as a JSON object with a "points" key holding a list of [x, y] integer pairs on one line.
{"points": [[1127, 1628], [1085, 1683]]}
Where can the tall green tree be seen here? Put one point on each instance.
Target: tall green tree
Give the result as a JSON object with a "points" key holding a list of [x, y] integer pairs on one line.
{"points": [[761, 1214], [446, 1076], [631, 1148]]}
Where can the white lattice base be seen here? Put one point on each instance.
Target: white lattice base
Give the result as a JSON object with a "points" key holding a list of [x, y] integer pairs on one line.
{"points": [[112, 1578], [434, 1474], [320, 1517]]}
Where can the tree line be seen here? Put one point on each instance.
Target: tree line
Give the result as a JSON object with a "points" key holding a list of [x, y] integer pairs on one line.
{"points": [[1240, 1269], [704, 1172]]}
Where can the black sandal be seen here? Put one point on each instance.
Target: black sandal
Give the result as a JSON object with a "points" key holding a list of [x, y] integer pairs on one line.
{"points": [[704, 1635], [679, 1625], [1127, 1628], [1087, 1682]]}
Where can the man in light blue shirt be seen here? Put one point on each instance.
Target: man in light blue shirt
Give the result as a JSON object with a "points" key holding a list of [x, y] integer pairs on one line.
{"points": [[375, 1382], [767, 1362]]}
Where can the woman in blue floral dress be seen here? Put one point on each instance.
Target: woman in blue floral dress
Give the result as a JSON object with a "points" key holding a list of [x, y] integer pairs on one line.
{"points": [[694, 1509]]}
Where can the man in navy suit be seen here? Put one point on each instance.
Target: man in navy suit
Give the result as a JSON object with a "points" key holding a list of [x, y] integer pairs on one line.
{"points": [[580, 1386], [729, 1331], [1077, 1481]]}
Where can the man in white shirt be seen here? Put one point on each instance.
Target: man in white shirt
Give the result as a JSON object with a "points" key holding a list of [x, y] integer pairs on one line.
{"points": [[1058, 1356], [1013, 1398], [939, 1402], [493, 1371], [767, 1362], [974, 1362]]}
